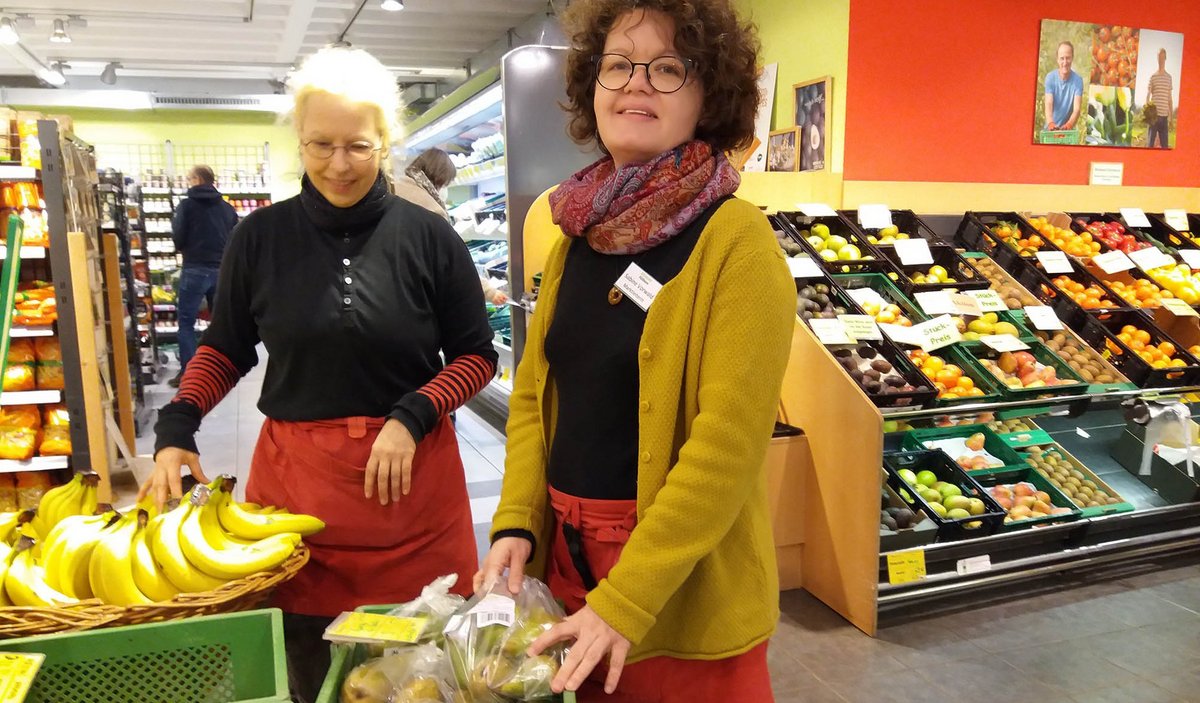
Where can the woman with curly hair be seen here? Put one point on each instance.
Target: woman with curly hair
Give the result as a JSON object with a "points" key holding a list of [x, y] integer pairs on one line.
{"points": [[648, 391]]}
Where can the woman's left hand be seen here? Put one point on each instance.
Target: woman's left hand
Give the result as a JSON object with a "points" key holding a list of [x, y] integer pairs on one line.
{"points": [[390, 463], [593, 640]]}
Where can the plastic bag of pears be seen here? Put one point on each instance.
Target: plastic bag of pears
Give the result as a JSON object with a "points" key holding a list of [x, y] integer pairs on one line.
{"points": [[487, 639], [410, 675], [436, 604]]}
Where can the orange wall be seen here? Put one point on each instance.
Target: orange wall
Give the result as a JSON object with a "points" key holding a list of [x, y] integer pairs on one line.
{"points": [[941, 90]]}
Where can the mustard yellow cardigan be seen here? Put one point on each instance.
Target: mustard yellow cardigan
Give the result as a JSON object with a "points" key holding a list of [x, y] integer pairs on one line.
{"points": [[697, 578]]}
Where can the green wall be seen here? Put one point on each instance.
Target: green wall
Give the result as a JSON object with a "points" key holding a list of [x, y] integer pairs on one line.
{"points": [[808, 39]]}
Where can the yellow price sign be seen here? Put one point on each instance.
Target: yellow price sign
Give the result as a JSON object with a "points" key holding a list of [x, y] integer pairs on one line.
{"points": [[904, 567], [383, 628], [17, 671]]}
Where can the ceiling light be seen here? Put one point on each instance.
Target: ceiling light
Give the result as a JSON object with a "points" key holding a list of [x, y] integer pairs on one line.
{"points": [[60, 36], [109, 75], [8, 32], [53, 75], [392, 5], [76, 22]]}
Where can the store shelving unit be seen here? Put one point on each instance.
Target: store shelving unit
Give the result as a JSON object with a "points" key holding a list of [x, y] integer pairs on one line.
{"points": [[139, 282]]}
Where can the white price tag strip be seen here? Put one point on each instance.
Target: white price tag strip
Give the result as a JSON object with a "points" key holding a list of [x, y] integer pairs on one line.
{"points": [[935, 302], [874, 216], [1191, 257], [1042, 317], [901, 334], [804, 267], [938, 332], [830, 331], [1055, 262], [816, 209], [913, 252], [974, 565], [1113, 262], [1134, 217], [990, 301], [1177, 219], [861, 326], [1003, 342], [965, 305], [1178, 308], [1151, 258]]}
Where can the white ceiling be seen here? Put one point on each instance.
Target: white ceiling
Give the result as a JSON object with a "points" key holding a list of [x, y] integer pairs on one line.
{"points": [[257, 39]]}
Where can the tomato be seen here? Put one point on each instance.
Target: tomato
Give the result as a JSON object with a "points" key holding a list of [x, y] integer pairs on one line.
{"points": [[1102, 55], [1104, 34]]}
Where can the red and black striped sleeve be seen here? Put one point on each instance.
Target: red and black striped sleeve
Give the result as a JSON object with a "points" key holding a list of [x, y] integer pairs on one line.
{"points": [[209, 377]]}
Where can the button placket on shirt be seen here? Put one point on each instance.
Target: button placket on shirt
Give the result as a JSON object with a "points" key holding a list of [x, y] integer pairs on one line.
{"points": [[347, 280]]}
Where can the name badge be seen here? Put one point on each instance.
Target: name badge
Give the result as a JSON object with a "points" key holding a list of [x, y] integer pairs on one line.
{"points": [[638, 286]]}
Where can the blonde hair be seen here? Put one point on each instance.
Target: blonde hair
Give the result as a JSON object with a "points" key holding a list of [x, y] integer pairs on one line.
{"points": [[354, 75]]}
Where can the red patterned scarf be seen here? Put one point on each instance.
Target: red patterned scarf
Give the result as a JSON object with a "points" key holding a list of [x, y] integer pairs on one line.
{"points": [[639, 206]]}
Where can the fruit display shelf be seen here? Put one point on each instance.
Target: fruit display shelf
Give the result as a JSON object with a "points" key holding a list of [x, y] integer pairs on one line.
{"points": [[1161, 232], [1077, 482], [831, 241], [951, 367], [1013, 488], [885, 374], [879, 297], [1133, 288], [1035, 373], [1085, 361], [1004, 236], [949, 271], [1071, 295], [1159, 224], [1110, 230], [938, 473]]}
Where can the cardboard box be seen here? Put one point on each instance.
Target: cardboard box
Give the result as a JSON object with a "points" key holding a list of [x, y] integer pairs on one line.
{"points": [[1184, 330], [1167, 480], [788, 464]]}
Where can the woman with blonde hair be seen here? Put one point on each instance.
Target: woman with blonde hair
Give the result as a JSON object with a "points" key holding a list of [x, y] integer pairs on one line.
{"points": [[355, 294]]}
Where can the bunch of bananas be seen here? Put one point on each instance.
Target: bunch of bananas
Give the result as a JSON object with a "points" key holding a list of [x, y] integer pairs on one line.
{"points": [[140, 557]]}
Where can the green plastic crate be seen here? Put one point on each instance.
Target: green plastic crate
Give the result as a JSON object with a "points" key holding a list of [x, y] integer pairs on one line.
{"points": [[1074, 384], [344, 657], [991, 477], [1097, 510], [233, 658], [992, 443]]}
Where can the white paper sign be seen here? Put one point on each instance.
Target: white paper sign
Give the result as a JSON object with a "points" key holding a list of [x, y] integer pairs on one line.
{"points": [[1003, 342], [830, 331], [869, 296], [1177, 219], [913, 252], [1151, 258], [1055, 262], [1191, 257], [935, 302], [1106, 173], [638, 286], [901, 334], [874, 216], [938, 332], [1113, 262], [861, 326], [973, 565], [816, 209], [965, 305], [804, 267], [1135, 217], [1178, 308], [1043, 318], [989, 300]]}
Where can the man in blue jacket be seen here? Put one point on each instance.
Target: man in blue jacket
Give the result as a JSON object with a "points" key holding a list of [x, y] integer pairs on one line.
{"points": [[200, 228]]}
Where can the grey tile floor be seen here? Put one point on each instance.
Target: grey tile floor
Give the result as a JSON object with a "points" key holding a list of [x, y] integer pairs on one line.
{"points": [[1134, 639]]}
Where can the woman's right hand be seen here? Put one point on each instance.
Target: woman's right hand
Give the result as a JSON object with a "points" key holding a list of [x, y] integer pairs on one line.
{"points": [[507, 552], [167, 481]]}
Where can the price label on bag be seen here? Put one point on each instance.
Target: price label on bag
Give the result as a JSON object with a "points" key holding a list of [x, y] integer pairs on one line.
{"points": [[816, 209], [1003, 342], [990, 301], [861, 326], [804, 267], [830, 331], [874, 216], [1151, 258], [1177, 219], [938, 332], [1113, 262], [17, 671], [905, 567], [1043, 318], [1191, 257], [1055, 262], [974, 565], [913, 252], [1134, 217], [374, 626], [1178, 308]]}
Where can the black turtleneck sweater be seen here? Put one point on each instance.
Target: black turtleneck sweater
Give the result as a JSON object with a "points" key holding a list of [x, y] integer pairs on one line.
{"points": [[354, 306]]}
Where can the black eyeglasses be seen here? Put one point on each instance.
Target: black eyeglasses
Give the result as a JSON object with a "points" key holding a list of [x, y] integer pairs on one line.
{"points": [[356, 151], [666, 74]]}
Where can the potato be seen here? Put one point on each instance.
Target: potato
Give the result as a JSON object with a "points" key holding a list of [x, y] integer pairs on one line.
{"points": [[1086, 375], [1105, 378]]}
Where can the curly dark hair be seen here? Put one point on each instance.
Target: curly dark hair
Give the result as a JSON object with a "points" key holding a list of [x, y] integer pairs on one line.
{"points": [[724, 50]]}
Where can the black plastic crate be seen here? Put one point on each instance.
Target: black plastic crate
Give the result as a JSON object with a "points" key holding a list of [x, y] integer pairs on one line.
{"points": [[1072, 385], [966, 276], [904, 220], [944, 468], [837, 297], [1166, 235], [798, 224], [1107, 217], [885, 288], [1035, 279], [975, 232], [1101, 330], [923, 394]]}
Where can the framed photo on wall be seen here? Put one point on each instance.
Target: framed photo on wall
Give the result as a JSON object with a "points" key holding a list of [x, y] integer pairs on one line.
{"points": [[781, 150], [810, 107]]}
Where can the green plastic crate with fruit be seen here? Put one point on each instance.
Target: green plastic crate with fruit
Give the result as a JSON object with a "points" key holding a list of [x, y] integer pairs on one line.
{"points": [[1015, 296], [971, 447], [1035, 372], [1020, 432], [1085, 489], [931, 482], [1102, 377], [956, 377], [880, 298], [1029, 498]]}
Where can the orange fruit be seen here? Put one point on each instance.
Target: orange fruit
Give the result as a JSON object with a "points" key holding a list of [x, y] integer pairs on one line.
{"points": [[1167, 348], [1142, 336], [966, 383], [949, 376]]}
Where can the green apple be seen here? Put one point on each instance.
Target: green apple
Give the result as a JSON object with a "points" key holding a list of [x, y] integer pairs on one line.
{"points": [[821, 230], [927, 478], [976, 507], [949, 490], [892, 230], [816, 242], [829, 254], [907, 474], [849, 253], [957, 514], [836, 242]]}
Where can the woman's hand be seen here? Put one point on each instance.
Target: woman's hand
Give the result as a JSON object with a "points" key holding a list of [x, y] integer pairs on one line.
{"points": [[167, 481], [390, 463], [507, 552], [594, 639]]}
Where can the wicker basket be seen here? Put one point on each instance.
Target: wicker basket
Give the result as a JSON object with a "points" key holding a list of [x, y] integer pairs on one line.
{"points": [[237, 595]]}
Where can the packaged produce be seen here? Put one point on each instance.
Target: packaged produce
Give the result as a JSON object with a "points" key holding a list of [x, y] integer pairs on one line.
{"points": [[56, 441], [20, 416], [412, 675], [436, 604], [56, 416], [19, 377], [31, 485], [47, 349], [50, 376], [21, 351]]}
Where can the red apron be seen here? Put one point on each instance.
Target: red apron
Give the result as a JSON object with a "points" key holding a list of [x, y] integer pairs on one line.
{"points": [[367, 553], [603, 528]]}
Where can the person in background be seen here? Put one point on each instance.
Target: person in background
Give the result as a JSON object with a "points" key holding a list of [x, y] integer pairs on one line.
{"points": [[1164, 104], [639, 421], [425, 178], [200, 228], [1064, 91], [356, 295]]}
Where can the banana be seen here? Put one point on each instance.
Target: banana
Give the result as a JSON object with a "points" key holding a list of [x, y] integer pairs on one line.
{"points": [[147, 574], [58, 503], [25, 581], [9, 522], [165, 546], [206, 545], [249, 525], [6, 555], [110, 570], [91, 498], [148, 505], [67, 561]]}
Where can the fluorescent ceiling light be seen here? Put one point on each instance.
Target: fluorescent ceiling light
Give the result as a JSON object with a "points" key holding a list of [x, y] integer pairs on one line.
{"points": [[53, 75], [59, 35], [8, 32], [392, 5]]}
